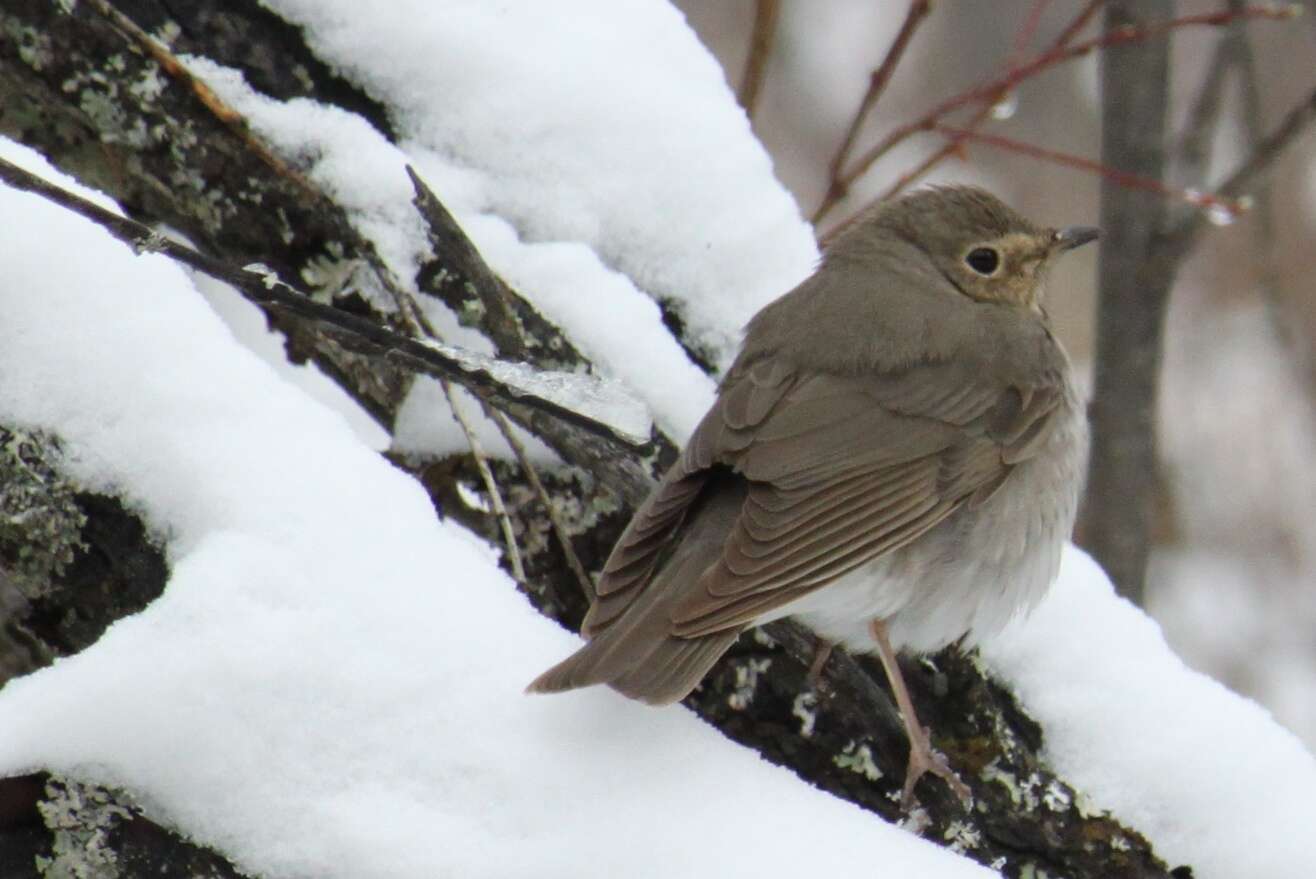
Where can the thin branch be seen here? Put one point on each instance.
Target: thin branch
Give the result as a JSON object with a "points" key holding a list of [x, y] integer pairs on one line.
{"points": [[918, 10], [1193, 155], [473, 373], [766, 13], [1264, 236], [420, 328], [1175, 244], [1079, 22], [1027, 31], [490, 484], [506, 331], [1217, 202], [1011, 79], [954, 145], [554, 517]]}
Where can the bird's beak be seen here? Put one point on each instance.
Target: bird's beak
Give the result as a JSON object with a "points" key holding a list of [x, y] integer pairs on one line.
{"points": [[1074, 236]]}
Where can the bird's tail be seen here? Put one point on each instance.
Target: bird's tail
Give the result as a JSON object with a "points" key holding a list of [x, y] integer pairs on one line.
{"points": [[635, 653], [668, 670]]}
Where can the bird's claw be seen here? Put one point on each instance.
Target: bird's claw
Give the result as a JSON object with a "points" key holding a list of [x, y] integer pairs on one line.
{"points": [[924, 760]]}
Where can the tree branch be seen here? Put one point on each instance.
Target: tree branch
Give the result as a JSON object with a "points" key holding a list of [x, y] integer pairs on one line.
{"points": [[471, 371], [1143, 31], [766, 13], [1117, 507]]}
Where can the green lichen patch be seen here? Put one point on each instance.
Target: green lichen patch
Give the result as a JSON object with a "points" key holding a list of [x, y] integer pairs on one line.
{"points": [[80, 818], [40, 521]]}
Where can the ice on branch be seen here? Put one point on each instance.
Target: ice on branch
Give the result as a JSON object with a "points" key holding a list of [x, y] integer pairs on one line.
{"points": [[604, 400]]}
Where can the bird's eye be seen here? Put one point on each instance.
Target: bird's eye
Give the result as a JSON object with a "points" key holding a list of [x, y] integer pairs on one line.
{"points": [[983, 260]]}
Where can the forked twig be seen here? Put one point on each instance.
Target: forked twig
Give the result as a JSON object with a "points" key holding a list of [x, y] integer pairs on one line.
{"points": [[954, 145], [1059, 54]]}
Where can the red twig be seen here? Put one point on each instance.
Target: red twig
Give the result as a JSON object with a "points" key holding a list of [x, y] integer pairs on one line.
{"points": [[1213, 203], [1059, 54], [1027, 31], [918, 10], [953, 145], [1079, 22]]}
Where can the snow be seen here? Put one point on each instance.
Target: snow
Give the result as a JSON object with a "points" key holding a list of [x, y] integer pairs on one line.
{"points": [[563, 174], [573, 115], [275, 702], [1205, 774]]}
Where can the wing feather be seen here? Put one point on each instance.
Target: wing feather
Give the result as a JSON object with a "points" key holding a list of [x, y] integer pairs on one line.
{"points": [[845, 469], [839, 470]]}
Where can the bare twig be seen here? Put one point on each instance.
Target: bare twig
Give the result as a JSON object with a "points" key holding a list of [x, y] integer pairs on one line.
{"points": [[1193, 154], [1027, 31], [1264, 236], [1197, 198], [490, 484], [1077, 24], [554, 517], [766, 13], [1175, 244], [351, 331], [420, 328], [955, 145], [836, 189], [506, 330], [990, 92]]}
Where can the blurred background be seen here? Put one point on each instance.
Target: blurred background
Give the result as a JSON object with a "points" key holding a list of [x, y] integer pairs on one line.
{"points": [[1232, 575]]}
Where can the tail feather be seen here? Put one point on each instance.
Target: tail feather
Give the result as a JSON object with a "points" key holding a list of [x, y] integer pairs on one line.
{"points": [[663, 674], [636, 652]]}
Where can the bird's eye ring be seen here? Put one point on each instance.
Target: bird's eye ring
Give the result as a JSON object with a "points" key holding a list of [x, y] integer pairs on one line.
{"points": [[983, 260]]}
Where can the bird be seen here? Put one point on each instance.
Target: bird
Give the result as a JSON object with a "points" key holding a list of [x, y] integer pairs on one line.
{"points": [[893, 459]]}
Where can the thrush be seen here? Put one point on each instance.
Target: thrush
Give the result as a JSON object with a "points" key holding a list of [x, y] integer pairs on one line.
{"points": [[894, 460]]}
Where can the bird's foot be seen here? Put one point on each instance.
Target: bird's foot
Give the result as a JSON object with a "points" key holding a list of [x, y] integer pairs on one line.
{"points": [[923, 760], [821, 653]]}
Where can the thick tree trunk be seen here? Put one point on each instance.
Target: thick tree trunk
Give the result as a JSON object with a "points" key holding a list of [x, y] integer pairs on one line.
{"points": [[1121, 490]]}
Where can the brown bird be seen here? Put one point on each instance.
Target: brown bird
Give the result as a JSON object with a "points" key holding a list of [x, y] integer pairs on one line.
{"points": [[894, 459]]}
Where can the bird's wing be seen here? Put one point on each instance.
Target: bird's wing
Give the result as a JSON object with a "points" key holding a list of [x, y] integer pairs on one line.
{"points": [[841, 470], [726, 431]]}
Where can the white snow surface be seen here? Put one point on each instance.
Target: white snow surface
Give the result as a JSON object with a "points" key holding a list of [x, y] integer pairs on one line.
{"points": [[571, 118], [592, 151], [275, 701], [1204, 773], [331, 684]]}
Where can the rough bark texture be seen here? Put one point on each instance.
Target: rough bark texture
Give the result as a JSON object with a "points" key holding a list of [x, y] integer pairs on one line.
{"points": [[64, 89], [61, 827], [1120, 498], [71, 561]]}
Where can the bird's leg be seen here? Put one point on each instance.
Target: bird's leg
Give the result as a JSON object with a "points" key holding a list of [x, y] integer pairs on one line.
{"points": [[922, 758], [822, 651]]}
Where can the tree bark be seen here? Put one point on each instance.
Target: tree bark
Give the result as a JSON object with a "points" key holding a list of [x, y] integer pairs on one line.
{"points": [[1121, 490]]}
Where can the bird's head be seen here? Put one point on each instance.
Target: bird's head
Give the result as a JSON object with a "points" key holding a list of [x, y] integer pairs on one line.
{"points": [[984, 249]]}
